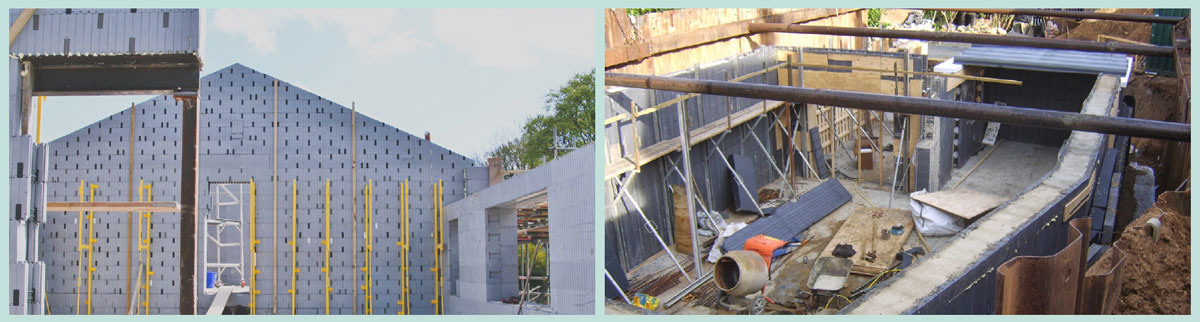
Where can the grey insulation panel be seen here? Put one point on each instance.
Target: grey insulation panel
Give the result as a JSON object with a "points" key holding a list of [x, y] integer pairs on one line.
{"points": [[235, 137], [743, 200], [108, 32], [792, 218], [1042, 59], [818, 154]]}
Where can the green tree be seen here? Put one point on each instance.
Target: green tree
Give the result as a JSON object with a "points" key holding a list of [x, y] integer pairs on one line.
{"points": [[642, 11], [568, 122]]}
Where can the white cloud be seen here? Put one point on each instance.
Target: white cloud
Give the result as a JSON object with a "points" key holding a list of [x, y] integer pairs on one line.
{"points": [[373, 33], [515, 39]]}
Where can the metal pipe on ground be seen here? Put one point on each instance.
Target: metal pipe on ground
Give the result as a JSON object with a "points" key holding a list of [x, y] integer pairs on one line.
{"points": [[1068, 44], [1072, 14], [913, 105]]}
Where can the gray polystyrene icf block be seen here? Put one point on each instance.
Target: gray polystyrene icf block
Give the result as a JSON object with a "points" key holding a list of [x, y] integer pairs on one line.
{"points": [[37, 288], [18, 284], [21, 156], [17, 240], [18, 194]]}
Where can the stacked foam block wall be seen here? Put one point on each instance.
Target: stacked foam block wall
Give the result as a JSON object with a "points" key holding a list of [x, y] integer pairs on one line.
{"points": [[236, 145]]}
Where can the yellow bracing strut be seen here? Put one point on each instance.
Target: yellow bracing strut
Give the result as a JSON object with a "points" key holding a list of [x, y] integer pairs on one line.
{"points": [[91, 245], [144, 244], [292, 244], [253, 249], [437, 250], [38, 138], [327, 242], [403, 243], [368, 206]]}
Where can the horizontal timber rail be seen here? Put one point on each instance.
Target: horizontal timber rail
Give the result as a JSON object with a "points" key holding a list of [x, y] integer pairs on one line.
{"points": [[1067, 44], [913, 105], [114, 206], [1074, 14]]}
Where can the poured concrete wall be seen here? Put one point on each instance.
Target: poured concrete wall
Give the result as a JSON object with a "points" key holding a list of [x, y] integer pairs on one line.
{"points": [[486, 252], [236, 105], [960, 278]]}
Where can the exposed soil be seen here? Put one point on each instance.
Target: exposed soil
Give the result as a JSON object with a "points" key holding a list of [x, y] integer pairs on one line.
{"points": [[1156, 98], [1089, 29], [1157, 273]]}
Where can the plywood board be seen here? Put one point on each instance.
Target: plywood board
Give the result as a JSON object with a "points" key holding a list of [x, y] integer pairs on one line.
{"points": [[964, 203], [866, 82], [863, 230]]}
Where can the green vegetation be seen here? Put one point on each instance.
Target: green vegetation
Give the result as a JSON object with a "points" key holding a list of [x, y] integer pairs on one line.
{"points": [[568, 123], [873, 16], [539, 268], [941, 19], [642, 11]]}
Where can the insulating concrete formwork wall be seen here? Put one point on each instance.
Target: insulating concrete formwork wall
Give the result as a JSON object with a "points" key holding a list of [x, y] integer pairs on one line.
{"points": [[109, 32], [236, 145], [714, 184], [482, 252], [76, 41], [960, 278]]}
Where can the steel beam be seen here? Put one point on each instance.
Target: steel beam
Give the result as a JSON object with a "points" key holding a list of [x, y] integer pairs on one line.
{"points": [[1068, 44], [1073, 14], [913, 105]]}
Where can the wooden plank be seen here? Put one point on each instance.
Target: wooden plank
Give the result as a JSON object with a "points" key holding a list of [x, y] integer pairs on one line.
{"points": [[218, 304], [618, 55], [967, 71], [679, 215], [700, 134], [964, 203], [863, 230], [113, 206]]}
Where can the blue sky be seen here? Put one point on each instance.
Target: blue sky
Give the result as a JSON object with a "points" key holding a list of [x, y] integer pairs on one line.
{"points": [[469, 76]]}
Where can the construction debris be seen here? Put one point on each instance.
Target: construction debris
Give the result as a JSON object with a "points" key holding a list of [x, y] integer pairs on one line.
{"points": [[946, 212], [870, 230]]}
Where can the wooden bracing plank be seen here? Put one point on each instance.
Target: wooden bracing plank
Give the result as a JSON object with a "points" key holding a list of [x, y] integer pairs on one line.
{"points": [[698, 135], [113, 206]]}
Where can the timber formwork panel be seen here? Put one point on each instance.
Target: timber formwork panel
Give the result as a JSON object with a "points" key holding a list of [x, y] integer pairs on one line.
{"points": [[235, 145]]}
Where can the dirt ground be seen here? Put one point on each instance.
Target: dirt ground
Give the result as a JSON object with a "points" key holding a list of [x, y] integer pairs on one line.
{"points": [[1089, 29], [1157, 274], [1156, 98]]}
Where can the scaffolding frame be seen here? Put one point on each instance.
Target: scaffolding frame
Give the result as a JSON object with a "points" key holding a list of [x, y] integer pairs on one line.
{"points": [[215, 224]]}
